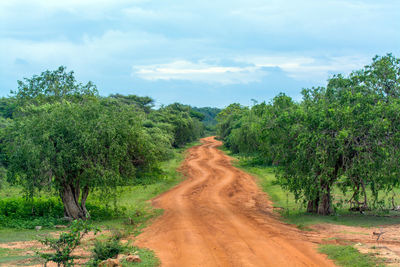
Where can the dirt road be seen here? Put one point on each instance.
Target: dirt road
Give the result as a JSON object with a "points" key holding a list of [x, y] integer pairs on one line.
{"points": [[219, 217]]}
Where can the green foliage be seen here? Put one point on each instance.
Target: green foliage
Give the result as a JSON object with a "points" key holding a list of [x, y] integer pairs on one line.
{"points": [[7, 107], [348, 256], [131, 202], [179, 120], [64, 137], [229, 119], [294, 212], [73, 147], [26, 214], [209, 115], [106, 249], [51, 86], [209, 119], [66, 243], [345, 135], [23, 213], [130, 220], [143, 103]]}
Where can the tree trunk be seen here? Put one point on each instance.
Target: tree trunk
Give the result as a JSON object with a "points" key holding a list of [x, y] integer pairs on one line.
{"points": [[70, 199], [85, 194], [312, 206], [325, 205], [365, 205]]}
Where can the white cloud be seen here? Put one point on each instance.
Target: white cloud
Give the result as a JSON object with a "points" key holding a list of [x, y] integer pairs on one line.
{"points": [[310, 69], [305, 68], [199, 72]]}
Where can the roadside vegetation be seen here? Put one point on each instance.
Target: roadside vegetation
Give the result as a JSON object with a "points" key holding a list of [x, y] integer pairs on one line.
{"points": [[67, 153], [348, 256], [342, 138], [295, 212]]}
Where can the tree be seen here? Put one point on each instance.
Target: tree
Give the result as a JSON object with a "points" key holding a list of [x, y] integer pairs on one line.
{"points": [[74, 148], [229, 119], [52, 86], [143, 103], [7, 107], [179, 119], [65, 138]]}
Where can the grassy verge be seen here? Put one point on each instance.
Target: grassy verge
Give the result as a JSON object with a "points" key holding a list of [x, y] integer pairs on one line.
{"points": [[294, 212], [348, 256]]}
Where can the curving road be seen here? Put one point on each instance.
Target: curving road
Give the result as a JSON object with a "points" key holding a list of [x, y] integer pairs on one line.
{"points": [[219, 217]]}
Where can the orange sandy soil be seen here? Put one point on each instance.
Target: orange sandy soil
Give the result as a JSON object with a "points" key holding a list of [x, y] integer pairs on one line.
{"points": [[218, 216]]}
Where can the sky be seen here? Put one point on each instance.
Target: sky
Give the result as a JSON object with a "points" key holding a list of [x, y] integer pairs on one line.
{"points": [[202, 53]]}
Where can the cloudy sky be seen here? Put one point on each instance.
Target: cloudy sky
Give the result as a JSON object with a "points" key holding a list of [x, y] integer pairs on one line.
{"points": [[203, 53]]}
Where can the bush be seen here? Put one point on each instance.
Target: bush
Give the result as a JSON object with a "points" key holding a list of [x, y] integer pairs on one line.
{"points": [[66, 243], [23, 213], [110, 248]]}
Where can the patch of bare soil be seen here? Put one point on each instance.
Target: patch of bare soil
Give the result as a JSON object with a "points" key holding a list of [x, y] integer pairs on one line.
{"points": [[31, 247], [384, 242]]}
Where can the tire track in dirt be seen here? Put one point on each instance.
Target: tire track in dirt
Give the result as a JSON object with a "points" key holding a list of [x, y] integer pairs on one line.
{"points": [[219, 217]]}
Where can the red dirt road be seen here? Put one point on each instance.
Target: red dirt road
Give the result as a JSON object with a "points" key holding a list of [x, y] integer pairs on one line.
{"points": [[219, 217]]}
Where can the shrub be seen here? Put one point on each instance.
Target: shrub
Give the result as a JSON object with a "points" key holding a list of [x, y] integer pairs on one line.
{"points": [[110, 248], [66, 243]]}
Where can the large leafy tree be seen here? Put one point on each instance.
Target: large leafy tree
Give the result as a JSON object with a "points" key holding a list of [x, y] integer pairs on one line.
{"points": [[67, 139], [51, 86], [74, 148]]}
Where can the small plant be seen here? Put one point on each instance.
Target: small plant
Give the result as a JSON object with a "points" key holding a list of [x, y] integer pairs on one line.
{"points": [[66, 243], [110, 248]]}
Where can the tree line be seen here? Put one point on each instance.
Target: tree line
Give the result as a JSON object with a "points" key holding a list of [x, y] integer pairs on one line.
{"points": [[60, 135], [345, 135]]}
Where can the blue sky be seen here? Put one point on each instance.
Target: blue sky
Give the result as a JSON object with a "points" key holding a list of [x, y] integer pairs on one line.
{"points": [[203, 53]]}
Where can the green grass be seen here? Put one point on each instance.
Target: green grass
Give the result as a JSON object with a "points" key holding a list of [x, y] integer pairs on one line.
{"points": [[7, 191], [13, 235], [9, 255], [348, 256], [294, 212]]}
